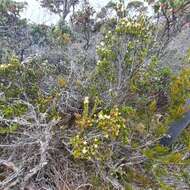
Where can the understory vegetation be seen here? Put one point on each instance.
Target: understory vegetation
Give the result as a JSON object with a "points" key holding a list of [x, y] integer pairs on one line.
{"points": [[84, 103]]}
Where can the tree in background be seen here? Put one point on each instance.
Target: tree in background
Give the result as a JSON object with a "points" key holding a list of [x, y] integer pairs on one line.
{"points": [[175, 14], [60, 7], [12, 27], [17, 36], [83, 22]]}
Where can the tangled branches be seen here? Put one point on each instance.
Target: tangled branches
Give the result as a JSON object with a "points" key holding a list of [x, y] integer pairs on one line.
{"points": [[87, 124]]}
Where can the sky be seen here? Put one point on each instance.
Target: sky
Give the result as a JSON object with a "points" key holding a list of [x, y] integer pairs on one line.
{"points": [[37, 14]]}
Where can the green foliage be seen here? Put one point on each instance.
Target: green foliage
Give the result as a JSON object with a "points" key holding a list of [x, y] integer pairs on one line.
{"points": [[14, 33], [168, 4], [122, 54], [39, 34], [130, 101], [179, 93], [85, 149], [10, 8], [20, 83], [9, 111], [108, 124], [139, 115], [61, 34], [8, 130], [10, 68]]}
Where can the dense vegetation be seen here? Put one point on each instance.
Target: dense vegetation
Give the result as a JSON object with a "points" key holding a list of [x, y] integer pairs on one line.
{"points": [[84, 103]]}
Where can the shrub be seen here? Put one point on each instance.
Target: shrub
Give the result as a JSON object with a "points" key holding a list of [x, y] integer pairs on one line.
{"points": [[139, 99]]}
